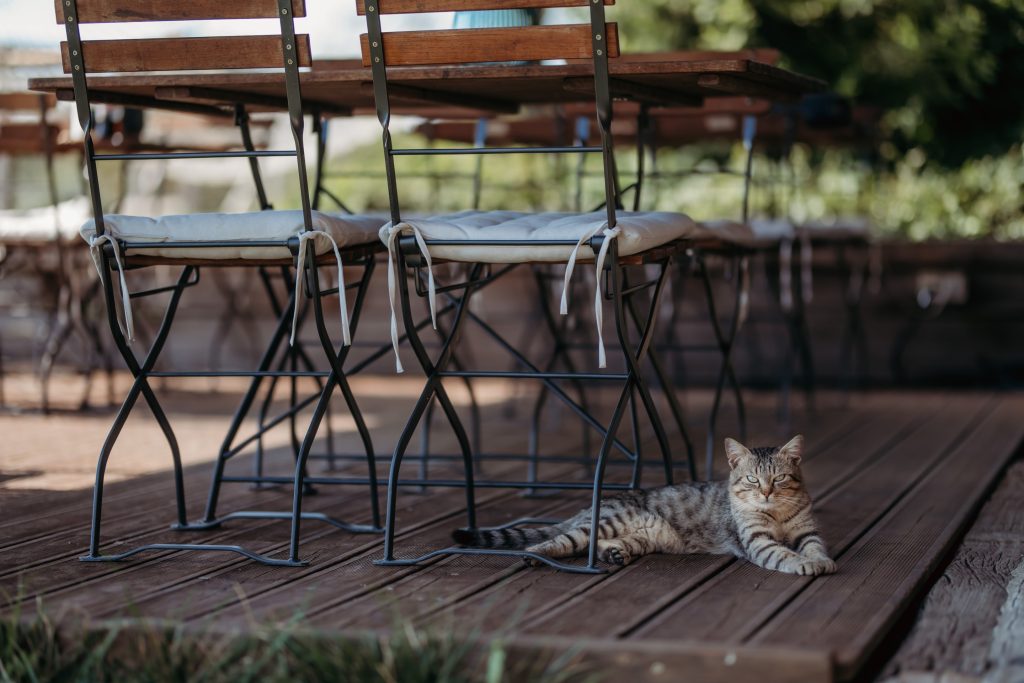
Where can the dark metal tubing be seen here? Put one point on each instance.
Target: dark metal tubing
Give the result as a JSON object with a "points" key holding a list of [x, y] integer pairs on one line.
{"points": [[534, 375], [420, 483], [443, 151], [548, 384], [152, 156], [245, 373], [164, 290], [726, 342]]}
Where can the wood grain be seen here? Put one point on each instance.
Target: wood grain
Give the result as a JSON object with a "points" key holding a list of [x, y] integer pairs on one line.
{"points": [[419, 6], [897, 556], [24, 101], [954, 632], [186, 54], [469, 46], [117, 11]]}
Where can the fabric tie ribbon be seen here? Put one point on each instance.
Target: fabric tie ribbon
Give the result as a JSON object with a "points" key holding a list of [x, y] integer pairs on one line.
{"points": [[95, 247], [609, 234], [300, 268], [390, 234]]}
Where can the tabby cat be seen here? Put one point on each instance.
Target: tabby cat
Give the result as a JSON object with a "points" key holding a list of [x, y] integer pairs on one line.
{"points": [[762, 513]]}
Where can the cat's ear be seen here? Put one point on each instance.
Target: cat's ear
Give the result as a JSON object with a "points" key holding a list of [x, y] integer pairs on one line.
{"points": [[734, 450], [794, 449]]}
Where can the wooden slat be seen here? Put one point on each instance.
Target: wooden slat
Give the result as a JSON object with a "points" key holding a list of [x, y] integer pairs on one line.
{"points": [[956, 628], [117, 11], [746, 597], [21, 101], [467, 46], [893, 561], [419, 6], [564, 607], [186, 54]]}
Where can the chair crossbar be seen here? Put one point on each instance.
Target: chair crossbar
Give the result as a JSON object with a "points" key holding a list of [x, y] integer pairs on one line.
{"points": [[145, 156], [449, 151]]}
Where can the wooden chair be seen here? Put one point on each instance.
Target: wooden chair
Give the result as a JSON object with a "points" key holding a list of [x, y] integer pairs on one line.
{"points": [[495, 242], [198, 241]]}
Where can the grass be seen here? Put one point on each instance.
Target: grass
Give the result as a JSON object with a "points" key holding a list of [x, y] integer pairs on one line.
{"points": [[40, 649]]}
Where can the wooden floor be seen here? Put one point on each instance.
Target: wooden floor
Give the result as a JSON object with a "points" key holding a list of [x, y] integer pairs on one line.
{"points": [[896, 479]]}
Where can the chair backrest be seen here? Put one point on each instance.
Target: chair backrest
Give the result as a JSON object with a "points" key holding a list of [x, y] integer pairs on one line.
{"points": [[285, 50], [25, 127], [596, 41]]}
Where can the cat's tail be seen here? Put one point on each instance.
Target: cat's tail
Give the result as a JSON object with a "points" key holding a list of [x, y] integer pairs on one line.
{"points": [[512, 537]]}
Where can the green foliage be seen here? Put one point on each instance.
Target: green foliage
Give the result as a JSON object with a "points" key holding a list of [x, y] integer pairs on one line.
{"points": [[948, 71], [37, 651]]}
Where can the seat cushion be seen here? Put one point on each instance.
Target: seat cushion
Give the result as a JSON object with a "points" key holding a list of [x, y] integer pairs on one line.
{"points": [[758, 233], [41, 226], [640, 231], [730, 232], [234, 227]]}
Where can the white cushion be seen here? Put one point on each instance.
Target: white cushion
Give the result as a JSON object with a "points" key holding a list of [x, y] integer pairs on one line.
{"points": [[41, 225], [234, 227], [760, 232], [640, 231]]}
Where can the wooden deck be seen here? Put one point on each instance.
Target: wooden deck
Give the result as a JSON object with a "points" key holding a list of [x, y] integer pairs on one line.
{"points": [[896, 479]]}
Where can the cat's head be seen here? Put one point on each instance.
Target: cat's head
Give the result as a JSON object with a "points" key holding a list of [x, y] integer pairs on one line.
{"points": [[765, 478]]}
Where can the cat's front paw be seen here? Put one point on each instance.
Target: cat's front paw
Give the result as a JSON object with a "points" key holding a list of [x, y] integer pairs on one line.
{"points": [[615, 555], [815, 567], [531, 561]]}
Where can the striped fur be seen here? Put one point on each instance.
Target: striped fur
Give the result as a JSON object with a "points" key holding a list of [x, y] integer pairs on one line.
{"points": [[761, 513]]}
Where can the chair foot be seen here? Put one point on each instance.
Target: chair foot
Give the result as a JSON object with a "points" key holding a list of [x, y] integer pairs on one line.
{"points": [[262, 559], [543, 559], [204, 525]]}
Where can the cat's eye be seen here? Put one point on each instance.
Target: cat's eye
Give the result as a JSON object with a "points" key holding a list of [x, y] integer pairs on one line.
{"points": [[782, 477], [752, 479]]}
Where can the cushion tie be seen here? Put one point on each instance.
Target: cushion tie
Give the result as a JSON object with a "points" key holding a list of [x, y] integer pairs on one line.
{"points": [[95, 245], [300, 268], [571, 264], [389, 235], [609, 235]]}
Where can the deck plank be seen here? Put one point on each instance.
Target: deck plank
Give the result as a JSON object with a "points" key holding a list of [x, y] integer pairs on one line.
{"points": [[582, 609], [850, 612], [743, 596], [882, 469], [955, 631]]}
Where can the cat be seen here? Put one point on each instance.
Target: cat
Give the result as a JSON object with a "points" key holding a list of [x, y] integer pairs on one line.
{"points": [[761, 513]]}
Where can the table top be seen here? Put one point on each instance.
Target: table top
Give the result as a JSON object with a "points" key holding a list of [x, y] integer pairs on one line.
{"points": [[345, 87], [672, 127]]}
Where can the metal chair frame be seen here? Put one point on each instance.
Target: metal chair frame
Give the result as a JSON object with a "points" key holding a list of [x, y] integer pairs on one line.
{"points": [[632, 382], [143, 371]]}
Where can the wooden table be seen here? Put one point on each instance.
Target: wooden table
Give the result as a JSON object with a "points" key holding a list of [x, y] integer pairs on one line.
{"points": [[345, 87]]}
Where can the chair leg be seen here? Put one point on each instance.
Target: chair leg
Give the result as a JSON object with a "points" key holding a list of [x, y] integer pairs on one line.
{"points": [[278, 337], [336, 361], [560, 352], [139, 386], [725, 340], [670, 396], [432, 389]]}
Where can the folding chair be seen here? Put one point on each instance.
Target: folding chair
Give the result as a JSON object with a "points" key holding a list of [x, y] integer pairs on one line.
{"points": [[197, 241], [495, 242], [37, 239]]}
